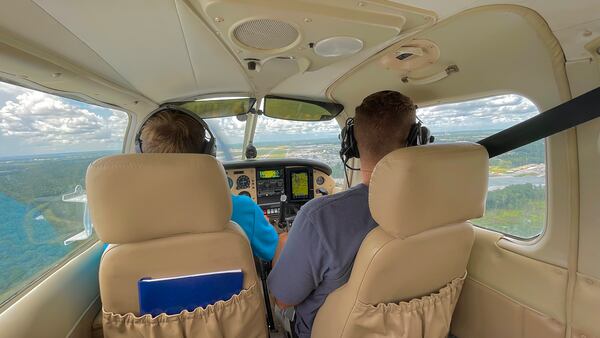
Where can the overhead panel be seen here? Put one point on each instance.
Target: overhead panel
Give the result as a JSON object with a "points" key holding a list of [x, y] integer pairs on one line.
{"points": [[575, 22], [160, 47], [265, 29], [512, 50], [304, 36]]}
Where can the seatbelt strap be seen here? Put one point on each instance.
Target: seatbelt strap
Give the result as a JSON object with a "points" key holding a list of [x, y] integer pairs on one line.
{"points": [[574, 112]]}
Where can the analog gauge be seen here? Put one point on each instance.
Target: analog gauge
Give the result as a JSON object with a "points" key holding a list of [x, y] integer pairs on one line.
{"points": [[230, 182], [320, 180], [242, 182], [244, 193]]}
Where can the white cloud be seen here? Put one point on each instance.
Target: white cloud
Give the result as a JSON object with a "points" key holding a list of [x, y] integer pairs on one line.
{"points": [[268, 129], [46, 121], [268, 125], [488, 113]]}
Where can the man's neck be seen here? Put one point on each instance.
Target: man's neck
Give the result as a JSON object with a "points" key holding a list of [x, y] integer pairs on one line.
{"points": [[366, 171]]}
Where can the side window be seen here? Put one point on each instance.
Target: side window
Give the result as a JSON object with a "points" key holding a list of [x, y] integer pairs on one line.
{"points": [[46, 144], [516, 200]]}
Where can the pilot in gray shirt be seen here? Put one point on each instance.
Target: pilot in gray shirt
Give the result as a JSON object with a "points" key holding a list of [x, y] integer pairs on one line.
{"points": [[328, 231], [320, 251]]}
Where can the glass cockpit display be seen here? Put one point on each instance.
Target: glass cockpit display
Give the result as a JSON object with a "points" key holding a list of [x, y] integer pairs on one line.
{"points": [[299, 185], [272, 173], [295, 183], [270, 185]]}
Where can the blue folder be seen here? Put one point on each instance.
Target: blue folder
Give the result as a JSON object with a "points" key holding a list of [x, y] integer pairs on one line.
{"points": [[172, 295]]}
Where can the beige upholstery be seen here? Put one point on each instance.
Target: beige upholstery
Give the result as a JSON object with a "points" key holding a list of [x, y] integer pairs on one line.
{"points": [[236, 317], [167, 215], [140, 197], [485, 312], [418, 197], [420, 188]]}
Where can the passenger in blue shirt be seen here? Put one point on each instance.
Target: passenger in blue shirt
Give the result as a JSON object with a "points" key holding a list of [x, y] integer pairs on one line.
{"points": [[328, 231], [175, 130], [250, 217]]}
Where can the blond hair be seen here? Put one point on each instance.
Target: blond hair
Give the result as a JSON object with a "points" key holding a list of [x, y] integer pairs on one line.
{"points": [[170, 131]]}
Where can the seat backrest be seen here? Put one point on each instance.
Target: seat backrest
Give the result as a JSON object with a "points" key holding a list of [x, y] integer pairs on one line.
{"points": [[421, 198], [164, 215]]}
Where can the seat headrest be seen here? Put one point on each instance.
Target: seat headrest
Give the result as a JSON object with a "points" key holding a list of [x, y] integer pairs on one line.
{"points": [[420, 188], [137, 197]]}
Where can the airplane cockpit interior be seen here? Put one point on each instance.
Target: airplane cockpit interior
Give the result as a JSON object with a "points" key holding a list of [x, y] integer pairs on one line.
{"points": [[300, 168]]}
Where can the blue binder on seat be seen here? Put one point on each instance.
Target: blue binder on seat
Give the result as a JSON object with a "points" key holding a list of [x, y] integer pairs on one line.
{"points": [[171, 295]]}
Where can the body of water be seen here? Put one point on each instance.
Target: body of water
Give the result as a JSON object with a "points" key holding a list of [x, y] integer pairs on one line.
{"points": [[503, 181], [28, 245]]}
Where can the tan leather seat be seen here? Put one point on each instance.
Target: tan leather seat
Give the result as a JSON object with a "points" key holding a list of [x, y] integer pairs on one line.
{"points": [[409, 270], [169, 215]]}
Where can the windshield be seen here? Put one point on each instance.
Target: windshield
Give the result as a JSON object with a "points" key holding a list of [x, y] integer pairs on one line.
{"points": [[229, 133], [276, 138]]}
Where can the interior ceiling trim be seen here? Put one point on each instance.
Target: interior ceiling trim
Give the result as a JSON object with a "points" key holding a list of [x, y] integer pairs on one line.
{"points": [[110, 64], [44, 31], [35, 2], [148, 48], [47, 56], [219, 40], [185, 42], [532, 18]]}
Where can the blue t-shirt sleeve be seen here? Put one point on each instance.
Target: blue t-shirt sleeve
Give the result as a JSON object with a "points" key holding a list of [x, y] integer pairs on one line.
{"points": [[264, 238], [300, 268]]}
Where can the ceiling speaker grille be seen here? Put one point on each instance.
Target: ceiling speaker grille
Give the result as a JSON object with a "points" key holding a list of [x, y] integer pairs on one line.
{"points": [[265, 34]]}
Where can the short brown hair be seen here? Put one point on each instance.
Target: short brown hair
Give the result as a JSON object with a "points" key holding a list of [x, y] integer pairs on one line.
{"points": [[170, 131], [382, 123]]}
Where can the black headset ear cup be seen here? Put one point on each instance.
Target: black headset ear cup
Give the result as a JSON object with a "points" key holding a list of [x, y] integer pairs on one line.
{"points": [[211, 148], [413, 135], [349, 147], [353, 146], [425, 135]]}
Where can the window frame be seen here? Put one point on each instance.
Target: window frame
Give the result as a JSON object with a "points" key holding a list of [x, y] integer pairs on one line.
{"points": [[43, 274], [34, 282]]}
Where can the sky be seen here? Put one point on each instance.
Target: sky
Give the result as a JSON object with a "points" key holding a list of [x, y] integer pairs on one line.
{"points": [[491, 113], [33, 122]]}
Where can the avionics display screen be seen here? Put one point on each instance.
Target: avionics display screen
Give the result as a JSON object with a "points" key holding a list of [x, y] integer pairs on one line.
{"points": [[299, 185], [266, 174]]}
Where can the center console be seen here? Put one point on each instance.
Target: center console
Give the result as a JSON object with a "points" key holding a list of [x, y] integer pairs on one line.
{"points": [[265, 181], [270, 185], [295, 182]]}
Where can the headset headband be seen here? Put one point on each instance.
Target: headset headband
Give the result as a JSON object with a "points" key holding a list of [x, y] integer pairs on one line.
{"points": [[210, 144]]}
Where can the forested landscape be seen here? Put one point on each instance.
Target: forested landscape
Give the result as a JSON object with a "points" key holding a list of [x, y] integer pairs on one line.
{"points": [[34, 221], [40, 181]]}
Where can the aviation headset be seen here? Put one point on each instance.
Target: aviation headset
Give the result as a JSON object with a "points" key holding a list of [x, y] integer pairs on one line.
{"points": [[418, 135], [209, 145]]}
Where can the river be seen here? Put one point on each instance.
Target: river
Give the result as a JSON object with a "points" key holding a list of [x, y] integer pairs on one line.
{"points": [[28, 245], [502, 181]]}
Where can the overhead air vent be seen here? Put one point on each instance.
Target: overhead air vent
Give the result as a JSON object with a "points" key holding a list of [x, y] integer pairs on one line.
{"points": [[416, 54], [265, 34]]}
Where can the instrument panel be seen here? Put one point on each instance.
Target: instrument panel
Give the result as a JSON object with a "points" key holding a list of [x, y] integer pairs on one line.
{"points": [[265, 181]]}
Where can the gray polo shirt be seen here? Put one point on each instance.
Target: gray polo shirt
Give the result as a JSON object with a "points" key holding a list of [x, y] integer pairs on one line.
{"points": [[320, 252]]}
